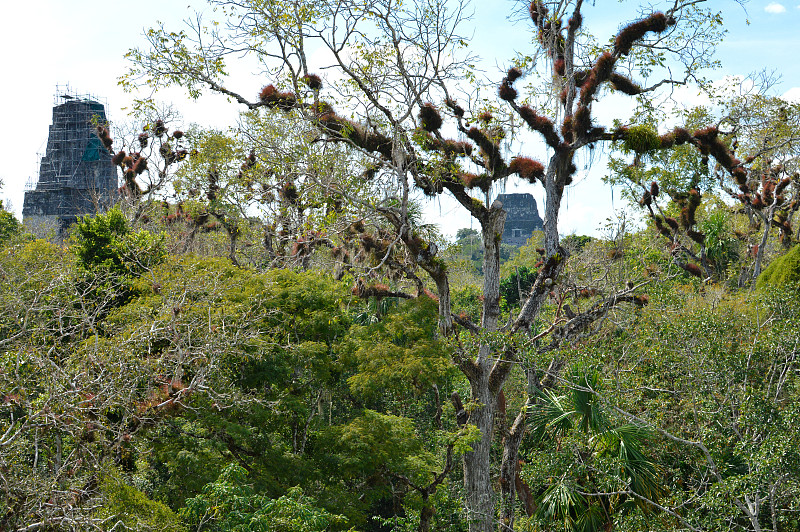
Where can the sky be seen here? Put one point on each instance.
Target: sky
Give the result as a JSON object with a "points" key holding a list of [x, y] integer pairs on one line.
{"points": [[81, 43]]}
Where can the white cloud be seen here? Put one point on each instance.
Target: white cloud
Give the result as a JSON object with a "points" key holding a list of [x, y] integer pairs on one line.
{"points": [[792, 95], [775, 8]]}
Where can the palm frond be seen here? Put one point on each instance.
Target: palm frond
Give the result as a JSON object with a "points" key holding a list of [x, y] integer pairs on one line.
{"points": [[593, 519], [550, 414], [641, 474], [585, 384], [561, 503]]}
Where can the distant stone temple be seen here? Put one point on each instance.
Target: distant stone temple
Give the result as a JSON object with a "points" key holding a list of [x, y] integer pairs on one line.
{"points": [[522, 220], [76, 176]]}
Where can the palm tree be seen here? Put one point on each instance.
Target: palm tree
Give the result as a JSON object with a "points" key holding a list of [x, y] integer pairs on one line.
{"points": [[606, 472]]}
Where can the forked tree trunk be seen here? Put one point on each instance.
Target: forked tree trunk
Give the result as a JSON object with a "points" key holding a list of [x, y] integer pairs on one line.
{"points": [[511, 484], [480, 501]]}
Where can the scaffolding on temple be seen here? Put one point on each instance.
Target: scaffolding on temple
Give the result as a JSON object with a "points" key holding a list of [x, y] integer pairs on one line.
{"points": [[76, 176]]}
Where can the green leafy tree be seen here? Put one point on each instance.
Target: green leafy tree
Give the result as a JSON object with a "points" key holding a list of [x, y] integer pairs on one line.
{"points": [[400, 354], [401, 367], [755, 154], [465, 232], [515, 288], [262, 345], [105, 241], [390, 446], [126, 506], [70, 392], [9, 225], [230, 504], [703, 370]]}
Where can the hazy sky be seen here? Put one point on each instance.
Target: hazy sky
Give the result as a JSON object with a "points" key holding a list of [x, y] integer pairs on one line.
{"points": [[44, 43]]}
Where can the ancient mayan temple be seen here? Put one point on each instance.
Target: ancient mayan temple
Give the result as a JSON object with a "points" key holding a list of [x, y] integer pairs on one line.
{"points": [[522, 220], [76, 176]]}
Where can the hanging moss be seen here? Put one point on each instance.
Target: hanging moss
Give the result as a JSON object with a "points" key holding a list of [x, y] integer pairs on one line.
{"points": [[783, 272], [642, 139]]}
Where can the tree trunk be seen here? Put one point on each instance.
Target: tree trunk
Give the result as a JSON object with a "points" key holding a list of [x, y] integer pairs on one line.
{"points": [[233, 236], [426, 514], [477, 464], [762, 245], [508, 470]]}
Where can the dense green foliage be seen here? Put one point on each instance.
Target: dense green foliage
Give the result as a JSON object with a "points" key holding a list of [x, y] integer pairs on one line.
{"points": [[106, 242], [125, 505], [264, 333], [784, 272], [204, 369], [230, 504], [222, 398], [519, 283], [9, 226]]}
